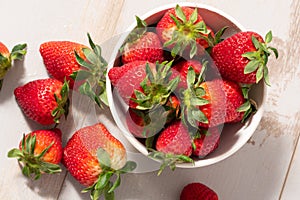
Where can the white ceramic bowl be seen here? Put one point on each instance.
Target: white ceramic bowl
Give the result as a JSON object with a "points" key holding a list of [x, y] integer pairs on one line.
{"points": [[233, 136]]}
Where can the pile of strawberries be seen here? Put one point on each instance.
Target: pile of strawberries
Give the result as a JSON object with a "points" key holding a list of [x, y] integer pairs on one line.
{"points": [[92, 155], [182, 82]]}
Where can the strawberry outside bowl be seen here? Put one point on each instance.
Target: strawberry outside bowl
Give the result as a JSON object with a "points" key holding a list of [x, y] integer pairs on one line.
{"points": [[233, 136]]}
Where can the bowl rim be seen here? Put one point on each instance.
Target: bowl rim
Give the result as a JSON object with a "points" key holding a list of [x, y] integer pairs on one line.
{"points": [[247, 133]]}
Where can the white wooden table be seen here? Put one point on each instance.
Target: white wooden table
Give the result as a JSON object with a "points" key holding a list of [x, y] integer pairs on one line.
{"points": [[266, 168]]}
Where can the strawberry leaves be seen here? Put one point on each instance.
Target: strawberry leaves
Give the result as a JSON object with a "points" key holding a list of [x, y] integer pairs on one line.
{"points": [[63, 103], [33, 165], [156, 87], [258, 59], [193, 98], [104, 185], [186, 32], [93, 73]]}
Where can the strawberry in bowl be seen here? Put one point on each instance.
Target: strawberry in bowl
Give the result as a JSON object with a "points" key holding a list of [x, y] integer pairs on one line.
{"points": [[189, 110]]}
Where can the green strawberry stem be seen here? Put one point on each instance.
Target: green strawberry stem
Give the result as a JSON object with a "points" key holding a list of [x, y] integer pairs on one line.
{"points": [[250, 106], [32, 165], [258, 59], [192, 99], [17, 53], [186, 33], [157, 86], [93, 73], [104, 185], [168, 159], [62, 103]]}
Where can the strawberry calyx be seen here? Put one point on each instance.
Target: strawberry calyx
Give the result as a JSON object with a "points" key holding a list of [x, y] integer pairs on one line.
{"points": [[250, 106], [104, 185], [156, 87], [17, 53], [258, 59], [63, 103], [192, 98], [186, 32], [33, 165], [168, 159], [93, 74]]}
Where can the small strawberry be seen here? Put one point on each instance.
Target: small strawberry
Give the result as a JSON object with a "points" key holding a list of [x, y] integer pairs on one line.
{"points": [[144, 85], [43, 100], [243, 57], [92, 156], [76, 62], [39, 152], [173, 145], [142, 45], [7, 57], [206, 142], [197, 191], [182, 28]]}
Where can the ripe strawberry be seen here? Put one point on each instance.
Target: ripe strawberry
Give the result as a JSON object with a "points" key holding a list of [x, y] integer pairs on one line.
{"points": [[183, 28], [43, 100], [206, 142], [243, 57], [7, 57], [143, 85], [92, 155], [197, 191], [142, 45], [211, 103], [173, 145], [59, 59], [39, 152], [76, 62]]}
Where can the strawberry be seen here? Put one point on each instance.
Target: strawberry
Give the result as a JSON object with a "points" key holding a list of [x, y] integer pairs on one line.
{"points": [[76, 62], [197, 191], [59, 59], [143, 85], [39, 152], [243, 57], [206, 142], [183, 28], [92, 156], [173, 145], [7, 57], [142, 45], [211, 103], [43, 100]]}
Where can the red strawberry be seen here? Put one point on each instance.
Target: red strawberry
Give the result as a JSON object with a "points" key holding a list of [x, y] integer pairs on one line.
{"points": [[183, 28], [175, 139], [7, 57], [76, 62], [142, 45], [92, 155], [197, 191], [143, 85], [43, 100], [59, 59], [173, 145], [39, 152], [243, 57], [206, 142]]}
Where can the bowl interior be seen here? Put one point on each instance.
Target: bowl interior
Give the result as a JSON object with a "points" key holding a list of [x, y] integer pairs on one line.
{"points": [[233, 136]]}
